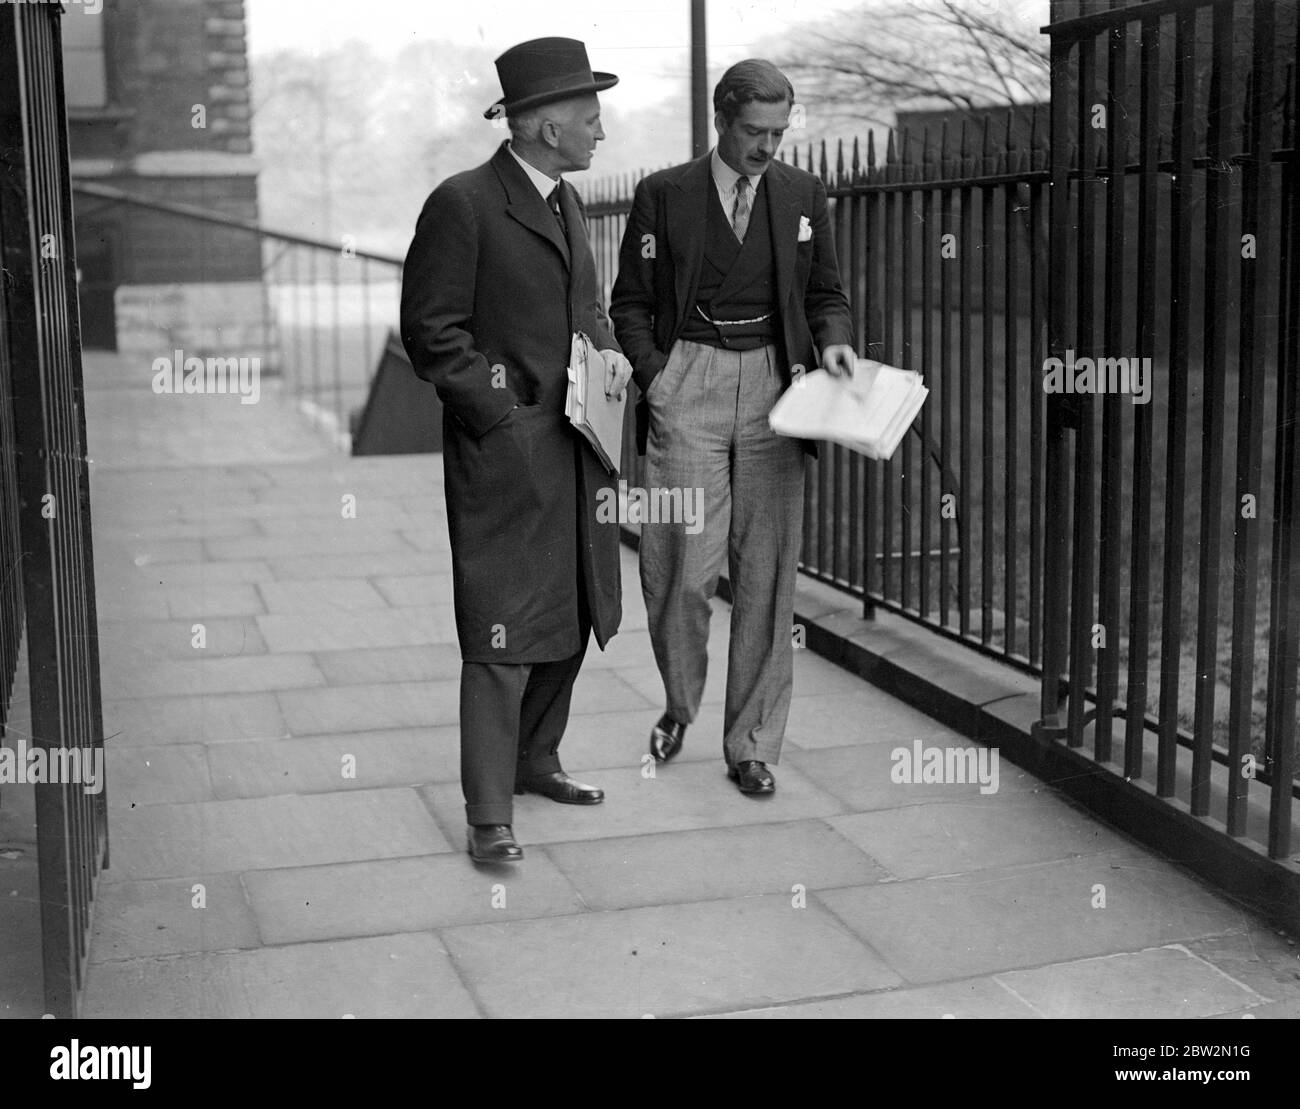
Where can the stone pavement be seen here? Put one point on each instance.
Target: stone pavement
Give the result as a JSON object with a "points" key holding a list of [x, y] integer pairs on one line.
{"points": [[287, 827]]}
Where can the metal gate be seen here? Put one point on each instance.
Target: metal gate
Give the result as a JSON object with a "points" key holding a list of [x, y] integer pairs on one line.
{"points": [[48, 593]]}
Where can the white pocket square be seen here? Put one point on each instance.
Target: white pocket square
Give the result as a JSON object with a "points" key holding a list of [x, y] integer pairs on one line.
{"points": [[805, 229]]}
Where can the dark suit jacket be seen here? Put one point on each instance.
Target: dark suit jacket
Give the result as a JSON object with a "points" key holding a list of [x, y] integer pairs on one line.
{"points": [[491, 295], [663, 250]]}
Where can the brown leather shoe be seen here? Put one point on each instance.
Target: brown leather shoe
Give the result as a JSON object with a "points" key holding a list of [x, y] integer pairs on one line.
{"points": [[493, 843], [752, 777], [666, 739], [560, 787]]}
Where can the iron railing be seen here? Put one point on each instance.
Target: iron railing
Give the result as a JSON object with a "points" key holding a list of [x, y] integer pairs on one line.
{"points": [[1174, 239], [326, 309], [48, 572]]}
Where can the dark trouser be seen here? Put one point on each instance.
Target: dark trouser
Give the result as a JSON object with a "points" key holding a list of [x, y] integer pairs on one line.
{"points": [[512, 718]]}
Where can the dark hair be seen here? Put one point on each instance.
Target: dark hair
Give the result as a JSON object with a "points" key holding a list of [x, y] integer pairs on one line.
{"points": [[747, 81]]}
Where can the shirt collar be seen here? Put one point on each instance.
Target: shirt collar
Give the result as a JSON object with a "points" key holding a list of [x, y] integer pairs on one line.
{"points": [[544, 183], [725, 177]]}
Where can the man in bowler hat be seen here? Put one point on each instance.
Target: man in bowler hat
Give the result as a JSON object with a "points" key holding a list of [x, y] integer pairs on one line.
{"points": [[727, 290], [498, 278]]}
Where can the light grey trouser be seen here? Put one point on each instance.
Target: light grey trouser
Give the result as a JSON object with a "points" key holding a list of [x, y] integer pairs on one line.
{"points": [[708, 430]]}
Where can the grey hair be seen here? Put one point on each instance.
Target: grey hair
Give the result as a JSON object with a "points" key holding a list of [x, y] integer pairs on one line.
{"points": [[526, 126]]}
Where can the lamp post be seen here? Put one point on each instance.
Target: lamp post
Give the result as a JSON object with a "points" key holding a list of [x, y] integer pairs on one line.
{"points": [[699, 81]]}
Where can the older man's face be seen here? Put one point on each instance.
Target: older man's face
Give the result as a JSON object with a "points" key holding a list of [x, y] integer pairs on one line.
{"points": [[578, 121], [750, 142]]}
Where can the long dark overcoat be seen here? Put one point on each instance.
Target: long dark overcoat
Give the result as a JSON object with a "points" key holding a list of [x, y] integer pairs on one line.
{"points": [[491, 295]]}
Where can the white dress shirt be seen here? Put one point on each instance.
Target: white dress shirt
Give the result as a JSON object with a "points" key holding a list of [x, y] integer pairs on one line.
{"points": [[543, 182], [725, 178]]}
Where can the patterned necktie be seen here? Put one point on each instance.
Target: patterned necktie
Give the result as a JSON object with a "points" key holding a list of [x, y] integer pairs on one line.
{"points": [[740, 212]]}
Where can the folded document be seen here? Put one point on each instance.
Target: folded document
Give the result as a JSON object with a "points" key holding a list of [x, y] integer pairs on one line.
{"points": [[598, 418], [869, 412]]}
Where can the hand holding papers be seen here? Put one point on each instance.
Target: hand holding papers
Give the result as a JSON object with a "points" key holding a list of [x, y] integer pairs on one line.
{"points": [[596, 416], [868, 412]]}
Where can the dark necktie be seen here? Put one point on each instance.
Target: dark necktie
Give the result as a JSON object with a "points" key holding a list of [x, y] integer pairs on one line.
{"points": [[554, 201]]}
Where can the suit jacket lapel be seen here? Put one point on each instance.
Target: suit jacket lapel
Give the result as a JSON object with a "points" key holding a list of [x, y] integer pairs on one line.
{"points": [[525, 203], [686, 206], [576, 231], [783, 220]]}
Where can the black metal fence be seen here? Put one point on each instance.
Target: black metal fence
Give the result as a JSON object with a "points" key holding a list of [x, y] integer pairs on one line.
{"points": [[1073, 534], [48, 593], [1174, 242]]}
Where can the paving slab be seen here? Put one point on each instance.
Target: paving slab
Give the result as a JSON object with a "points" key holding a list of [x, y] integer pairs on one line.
{"points": [[432, 662], [685, 796], [163, 774], [791, 859], [166, 841], [608, 691], [861, 716], [304, 567], [120, 529], [135, 675], [927, 840], [355, 541], [192, 573], [1164, 983], [171, 916], [337, 761], [216, 718], [333, 630], [356, 708], [1012, 917], [174, 639], [971, 999], [1263, 958], [414, 589], [403, 895], [404, 976], [348, 595], [862, 776], [840, 718], [662, 961]]}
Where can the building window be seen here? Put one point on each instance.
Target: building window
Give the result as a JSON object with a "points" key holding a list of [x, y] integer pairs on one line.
{"points": [[83, 59]]}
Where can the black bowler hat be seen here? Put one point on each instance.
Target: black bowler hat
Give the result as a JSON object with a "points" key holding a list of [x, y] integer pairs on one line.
{"points": [[542, 71]]}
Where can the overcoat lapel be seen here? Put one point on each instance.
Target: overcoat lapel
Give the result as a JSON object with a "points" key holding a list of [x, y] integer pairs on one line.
{"points": [[578, 246], [525, 203]]}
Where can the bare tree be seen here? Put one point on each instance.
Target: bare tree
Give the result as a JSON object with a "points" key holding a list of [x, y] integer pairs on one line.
{"points": [[893, 54]]}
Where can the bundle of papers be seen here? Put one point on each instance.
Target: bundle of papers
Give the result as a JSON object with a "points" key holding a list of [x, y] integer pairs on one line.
{"points": [[598, 418], [869, 412]]}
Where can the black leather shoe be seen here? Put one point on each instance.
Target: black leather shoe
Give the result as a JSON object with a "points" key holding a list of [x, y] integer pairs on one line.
{"points": [[666, 738], [560, 787], [752, 777], [493, 843]]}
